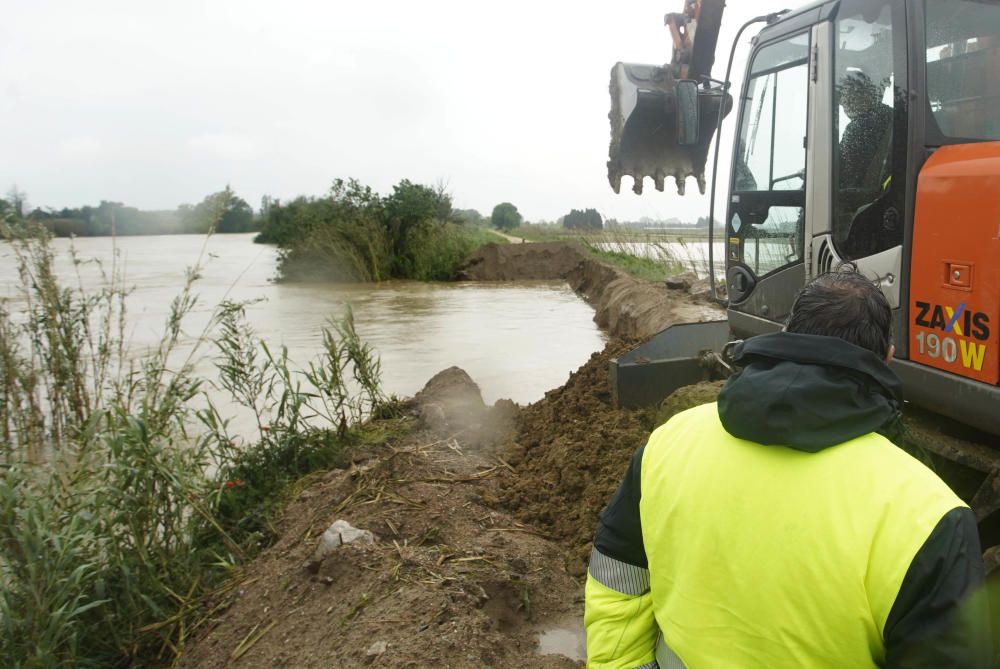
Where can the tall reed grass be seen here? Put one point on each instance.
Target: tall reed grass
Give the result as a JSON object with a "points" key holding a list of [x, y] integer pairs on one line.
{"points": [[124, 499], [650, 258], [646, 254]]}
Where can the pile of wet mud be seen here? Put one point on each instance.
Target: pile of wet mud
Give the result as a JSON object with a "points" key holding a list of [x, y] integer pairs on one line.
{"points": [[521, 262], [572, 448], [570, 452]]}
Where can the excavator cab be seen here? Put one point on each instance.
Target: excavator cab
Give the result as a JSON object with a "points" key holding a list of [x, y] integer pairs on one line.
{"points": [[867, 132]]}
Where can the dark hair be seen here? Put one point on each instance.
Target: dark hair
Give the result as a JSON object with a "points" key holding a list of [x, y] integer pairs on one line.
{"points": [[844, 304]]}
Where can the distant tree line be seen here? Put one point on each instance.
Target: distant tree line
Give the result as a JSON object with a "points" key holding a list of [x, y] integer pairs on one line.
{"points": [[219, 212], [670, 223], [587, 219], [354, 234]]}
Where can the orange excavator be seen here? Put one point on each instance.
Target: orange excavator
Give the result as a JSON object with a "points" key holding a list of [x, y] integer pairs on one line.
{"points": [[866, 131]]}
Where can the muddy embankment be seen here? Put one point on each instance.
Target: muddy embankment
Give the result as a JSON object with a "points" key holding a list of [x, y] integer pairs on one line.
{"points": [[625, 307], [480, 517]]}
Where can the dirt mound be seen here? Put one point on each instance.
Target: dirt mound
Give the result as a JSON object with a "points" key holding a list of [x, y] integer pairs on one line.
{"points": [[478, 545], [521, 262], [447, 579], [625, 307], [687, 397], [572, 448], [452, 404], [631, 309]]}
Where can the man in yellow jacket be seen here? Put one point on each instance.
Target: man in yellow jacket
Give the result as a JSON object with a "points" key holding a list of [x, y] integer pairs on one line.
{"points": [[779, 528]]}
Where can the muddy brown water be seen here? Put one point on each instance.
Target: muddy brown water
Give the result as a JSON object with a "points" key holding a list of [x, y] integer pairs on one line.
{"points": [[516, 340]]}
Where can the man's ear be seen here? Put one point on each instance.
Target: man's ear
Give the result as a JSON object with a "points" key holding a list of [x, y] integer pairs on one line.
{"points": [[888, 357]]}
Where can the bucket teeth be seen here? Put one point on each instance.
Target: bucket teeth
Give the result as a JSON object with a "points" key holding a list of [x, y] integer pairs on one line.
{"points": [[615, 176], [679, 180], [659, 178]]}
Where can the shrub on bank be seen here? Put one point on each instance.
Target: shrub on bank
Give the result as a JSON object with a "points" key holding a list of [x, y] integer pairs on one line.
{"points": [[353, 234], [436, 251], [124, 502]]}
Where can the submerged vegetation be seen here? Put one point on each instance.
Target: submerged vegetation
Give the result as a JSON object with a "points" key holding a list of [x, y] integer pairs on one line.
{"points": [[125, 501], [354, 234]]}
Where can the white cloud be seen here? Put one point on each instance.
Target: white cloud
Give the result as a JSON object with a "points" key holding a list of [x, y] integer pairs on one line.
{"points": [[508, 101], [222, 145], [80, 146]]}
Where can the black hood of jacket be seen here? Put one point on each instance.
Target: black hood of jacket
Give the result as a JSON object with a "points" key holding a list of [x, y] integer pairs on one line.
{"points": [[808, 392]]}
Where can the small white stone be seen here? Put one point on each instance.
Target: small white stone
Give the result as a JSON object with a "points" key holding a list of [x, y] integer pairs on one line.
{"points": [[339, 533], [349, 534], [376, 649]]}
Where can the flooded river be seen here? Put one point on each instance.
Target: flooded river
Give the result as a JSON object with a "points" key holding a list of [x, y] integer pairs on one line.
{"points": [[515, 340]]}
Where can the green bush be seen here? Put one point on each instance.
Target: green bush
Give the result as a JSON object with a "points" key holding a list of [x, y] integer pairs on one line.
{"points": [[436, 250], [353, 234]]}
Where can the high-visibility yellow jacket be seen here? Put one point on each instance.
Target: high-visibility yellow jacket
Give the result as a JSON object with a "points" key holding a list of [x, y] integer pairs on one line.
{"points": [[722, 551]]}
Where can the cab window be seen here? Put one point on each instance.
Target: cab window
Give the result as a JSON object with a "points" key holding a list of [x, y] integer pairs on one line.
{"points": [[963, 69], [767, 213], [870, 129]]}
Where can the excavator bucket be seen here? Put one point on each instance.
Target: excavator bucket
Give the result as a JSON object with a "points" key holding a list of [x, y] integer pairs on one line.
{"points": [[644, 110]]}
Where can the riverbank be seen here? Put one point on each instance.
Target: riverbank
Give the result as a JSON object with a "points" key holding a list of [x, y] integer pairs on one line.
{"points": [[480, 515]]}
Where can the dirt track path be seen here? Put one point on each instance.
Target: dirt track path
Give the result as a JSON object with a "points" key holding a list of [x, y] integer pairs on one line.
{"points": [[511, 238]]}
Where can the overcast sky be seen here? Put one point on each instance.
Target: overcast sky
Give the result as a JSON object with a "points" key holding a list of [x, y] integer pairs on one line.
{"points": [[160, 103]]}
